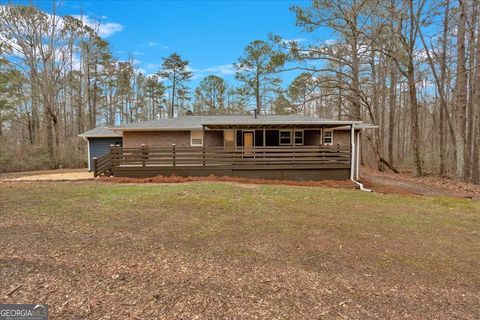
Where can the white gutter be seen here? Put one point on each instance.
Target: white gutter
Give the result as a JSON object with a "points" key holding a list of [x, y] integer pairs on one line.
{"points": [[354, 161]]}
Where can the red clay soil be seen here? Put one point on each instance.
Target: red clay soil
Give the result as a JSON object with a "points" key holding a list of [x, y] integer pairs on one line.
{"points": [[176, 179]]}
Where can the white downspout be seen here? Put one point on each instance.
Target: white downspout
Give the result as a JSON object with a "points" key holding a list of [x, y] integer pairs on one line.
{"points": [[357, 172], [354, 161], [88, 151], [352, 153]]}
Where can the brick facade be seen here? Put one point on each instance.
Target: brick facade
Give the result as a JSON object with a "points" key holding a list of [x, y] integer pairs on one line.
{"points": [[341, 137], [135, 139], [214, 138], [311, 137]]}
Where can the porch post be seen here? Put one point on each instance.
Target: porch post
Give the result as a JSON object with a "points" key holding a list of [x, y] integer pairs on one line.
{"points": [[264, 138], [94, 166], [234, 138], [352, 153], [293, 135]]}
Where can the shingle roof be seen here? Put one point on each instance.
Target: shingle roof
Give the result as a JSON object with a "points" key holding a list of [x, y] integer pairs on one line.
{"points": [[197, 122], [100, 132]]}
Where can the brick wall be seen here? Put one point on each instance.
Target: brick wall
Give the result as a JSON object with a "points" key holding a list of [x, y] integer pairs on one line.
{"points": [[135, 139], [341, 137], [311, 137], [214, 138]]}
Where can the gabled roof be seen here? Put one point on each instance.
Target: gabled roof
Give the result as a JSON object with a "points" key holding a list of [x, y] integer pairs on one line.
{"points": [[100, 132], [197, 122]]}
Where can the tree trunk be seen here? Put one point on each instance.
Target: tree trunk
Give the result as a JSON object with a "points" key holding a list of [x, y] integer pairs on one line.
{"points": [[356, 113], [391, 114], [415, 132], [173, 95], [258, 97], [470, 113], [441, 89], [461, 92], [476, 98]]}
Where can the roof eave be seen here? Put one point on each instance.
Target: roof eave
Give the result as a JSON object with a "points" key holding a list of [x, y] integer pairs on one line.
{"points": [[100, 136], [156, 129], [274, 123]]}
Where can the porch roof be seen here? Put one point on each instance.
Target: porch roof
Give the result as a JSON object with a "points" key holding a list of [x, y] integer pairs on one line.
{"points": [[224, 122]]}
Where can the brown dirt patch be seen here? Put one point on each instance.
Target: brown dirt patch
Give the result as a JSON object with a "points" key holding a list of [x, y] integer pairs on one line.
{"points": [[232, 180], [406, 183], [49, 175]]}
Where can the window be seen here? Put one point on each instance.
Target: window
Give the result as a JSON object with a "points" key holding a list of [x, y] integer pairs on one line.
{"points": [[285, 137], [196, 138], [299, 137], [228, 139], [327, 137]]}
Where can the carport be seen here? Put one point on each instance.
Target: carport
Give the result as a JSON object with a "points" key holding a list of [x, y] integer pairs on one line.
{"points": [[99, 141]]}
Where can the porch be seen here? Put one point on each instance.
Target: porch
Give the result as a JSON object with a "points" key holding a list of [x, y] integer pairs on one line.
{"points": [[292, 162]]}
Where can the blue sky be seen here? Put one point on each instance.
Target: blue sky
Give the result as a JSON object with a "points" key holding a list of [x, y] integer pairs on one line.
{"points": [[209, 34]]}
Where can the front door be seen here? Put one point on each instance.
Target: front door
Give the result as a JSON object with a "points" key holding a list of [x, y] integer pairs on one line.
{"points": [[247, 142]]}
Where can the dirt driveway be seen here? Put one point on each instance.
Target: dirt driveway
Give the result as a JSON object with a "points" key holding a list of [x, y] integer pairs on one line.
{"points": [[48, 175], [426, 186]]}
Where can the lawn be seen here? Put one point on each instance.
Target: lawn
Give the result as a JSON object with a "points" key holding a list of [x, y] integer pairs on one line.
{"points": [[95, 250]]}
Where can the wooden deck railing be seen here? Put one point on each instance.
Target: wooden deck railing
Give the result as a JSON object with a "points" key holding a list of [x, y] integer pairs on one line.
{"points": [[219, 156]]}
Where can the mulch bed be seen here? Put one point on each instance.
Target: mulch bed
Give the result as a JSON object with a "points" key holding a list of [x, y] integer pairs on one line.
{"points": [[176, 179]]}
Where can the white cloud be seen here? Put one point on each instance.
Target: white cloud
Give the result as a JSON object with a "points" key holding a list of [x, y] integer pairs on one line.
{"points": [[330, 42], [226, 69], [104, 30], [296, 40], [155, 44], [153, 66]]}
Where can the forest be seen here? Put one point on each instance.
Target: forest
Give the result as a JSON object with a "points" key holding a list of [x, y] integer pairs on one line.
{"points": [[409, 66]]}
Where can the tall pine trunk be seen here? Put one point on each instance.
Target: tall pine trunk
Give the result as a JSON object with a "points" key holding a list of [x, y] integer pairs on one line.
{"points": [[461, 92]]}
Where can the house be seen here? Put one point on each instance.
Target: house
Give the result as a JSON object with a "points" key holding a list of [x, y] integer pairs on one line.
{"points": [[289, 147], [99, 141]]}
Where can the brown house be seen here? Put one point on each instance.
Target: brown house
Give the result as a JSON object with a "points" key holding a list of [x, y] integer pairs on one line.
{"points": [[266, 146]]}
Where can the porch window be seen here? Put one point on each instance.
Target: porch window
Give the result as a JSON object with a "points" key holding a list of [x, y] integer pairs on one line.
{"points": [[196, 138], [299, 137], [285, 137], [327, 137]]}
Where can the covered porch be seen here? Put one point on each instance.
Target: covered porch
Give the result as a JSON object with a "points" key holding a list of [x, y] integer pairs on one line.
{"points": [[250, 137]]}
